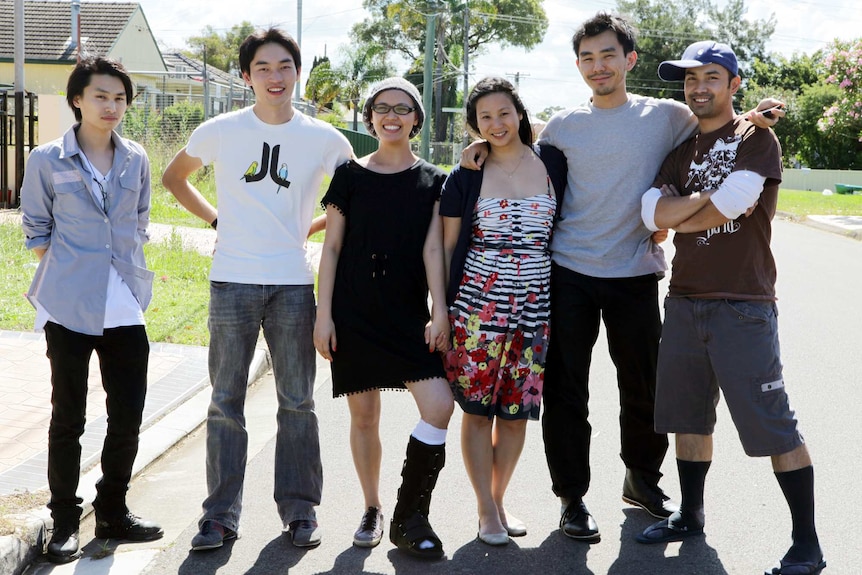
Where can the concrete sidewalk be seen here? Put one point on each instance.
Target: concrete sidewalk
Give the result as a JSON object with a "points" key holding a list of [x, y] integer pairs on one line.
{"points": [[177, 398]]}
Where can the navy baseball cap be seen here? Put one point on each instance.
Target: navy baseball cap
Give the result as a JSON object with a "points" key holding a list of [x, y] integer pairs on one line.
{"points": [[699, 54]]}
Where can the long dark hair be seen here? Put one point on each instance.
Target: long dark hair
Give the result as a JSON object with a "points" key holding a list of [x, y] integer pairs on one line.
{"points": [[495, 85]]}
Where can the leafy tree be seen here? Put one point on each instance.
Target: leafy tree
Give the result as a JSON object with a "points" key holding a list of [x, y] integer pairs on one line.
{"points": [[792, 73], [779, 77], [361, 65], [546, 114], [667, 27], [221, 49], [836, 147], [400, 25], [322, 86]]}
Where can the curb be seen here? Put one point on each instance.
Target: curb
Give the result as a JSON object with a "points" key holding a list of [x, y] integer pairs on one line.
{"points": [[31, 529], [823, 226]]}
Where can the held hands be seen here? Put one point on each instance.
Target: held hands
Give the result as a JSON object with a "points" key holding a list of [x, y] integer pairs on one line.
{"points": [[437, 334], [473, 156], [324, 338]]}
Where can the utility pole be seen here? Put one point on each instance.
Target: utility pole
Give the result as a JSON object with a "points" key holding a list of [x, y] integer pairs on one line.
{"points": [[430, 34], [19, 103], [466, 136], [517, 76], [298, 39]]}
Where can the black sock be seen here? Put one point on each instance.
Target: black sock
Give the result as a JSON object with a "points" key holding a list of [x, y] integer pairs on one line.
{"points": [[692, 478], [798, 488]]}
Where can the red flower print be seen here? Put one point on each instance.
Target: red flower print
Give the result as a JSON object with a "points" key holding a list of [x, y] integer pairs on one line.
{"points": [[486, 287], [488, 311]]}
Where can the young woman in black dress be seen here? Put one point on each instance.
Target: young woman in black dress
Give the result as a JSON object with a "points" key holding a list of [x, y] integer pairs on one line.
{"points": [[381, 257]]}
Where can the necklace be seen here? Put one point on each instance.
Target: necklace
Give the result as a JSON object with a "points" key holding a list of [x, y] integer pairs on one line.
{"points": [[518, 165]]}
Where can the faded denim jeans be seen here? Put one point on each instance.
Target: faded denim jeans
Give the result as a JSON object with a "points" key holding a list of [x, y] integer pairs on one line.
{"points": [[286, 313]]}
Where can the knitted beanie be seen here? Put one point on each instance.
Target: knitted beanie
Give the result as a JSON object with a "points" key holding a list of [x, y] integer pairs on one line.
{"points": [[393, 83]]}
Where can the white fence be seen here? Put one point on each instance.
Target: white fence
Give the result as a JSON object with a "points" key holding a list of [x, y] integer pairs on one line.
{"points": [[819, 180]]}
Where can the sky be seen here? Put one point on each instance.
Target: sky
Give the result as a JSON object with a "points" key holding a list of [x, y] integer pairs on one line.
{"points": [[547, 74]]}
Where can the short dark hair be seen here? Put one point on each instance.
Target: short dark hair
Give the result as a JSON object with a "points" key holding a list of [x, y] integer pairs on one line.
{"points": [[494, 85], [249, 47], [84, 71], [626, 33]]}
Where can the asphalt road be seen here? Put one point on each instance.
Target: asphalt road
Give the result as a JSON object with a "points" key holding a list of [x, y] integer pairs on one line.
{"points": [[748, 525]]}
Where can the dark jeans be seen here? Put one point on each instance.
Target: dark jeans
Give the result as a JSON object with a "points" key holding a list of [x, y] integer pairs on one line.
{"points": [[123, 356], [629, 308]]}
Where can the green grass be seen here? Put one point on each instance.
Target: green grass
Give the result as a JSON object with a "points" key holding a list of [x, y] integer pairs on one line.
{"points": [[178, 312], [802, 203], [16, 271]]}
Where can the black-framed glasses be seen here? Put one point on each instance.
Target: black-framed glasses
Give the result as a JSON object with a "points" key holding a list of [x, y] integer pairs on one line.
{"points": [[400, 109], [104, 195]]}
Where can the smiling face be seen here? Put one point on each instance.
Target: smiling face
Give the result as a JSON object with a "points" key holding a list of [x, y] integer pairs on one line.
{"points": [[392, 127], [103, 102], [498, 120], [272, 75], [709, 94], [604, 64]]}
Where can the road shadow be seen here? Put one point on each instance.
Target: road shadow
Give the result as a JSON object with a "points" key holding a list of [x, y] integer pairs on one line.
{"points": [[693, 556], [351, 560], [206, 562], [555, 556]]}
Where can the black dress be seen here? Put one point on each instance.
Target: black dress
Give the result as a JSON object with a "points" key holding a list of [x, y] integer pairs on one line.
{"points": [[380, 296]]}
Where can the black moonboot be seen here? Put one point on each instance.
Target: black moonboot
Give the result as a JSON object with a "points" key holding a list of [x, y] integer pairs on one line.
{"points": [[409, 529]]}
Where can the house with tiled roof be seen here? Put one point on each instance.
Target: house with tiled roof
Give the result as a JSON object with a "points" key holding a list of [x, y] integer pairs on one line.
{"points": [[117, 30]]}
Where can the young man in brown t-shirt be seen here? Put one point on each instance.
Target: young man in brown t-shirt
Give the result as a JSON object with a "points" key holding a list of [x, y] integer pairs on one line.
{"points": [[718, 191]]}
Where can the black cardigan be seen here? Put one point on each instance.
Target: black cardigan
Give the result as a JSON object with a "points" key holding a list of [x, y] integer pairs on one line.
{"points": [[461, 192]]}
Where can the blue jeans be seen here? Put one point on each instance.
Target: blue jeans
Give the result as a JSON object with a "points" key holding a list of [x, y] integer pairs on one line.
{"points": [[286, 313]]}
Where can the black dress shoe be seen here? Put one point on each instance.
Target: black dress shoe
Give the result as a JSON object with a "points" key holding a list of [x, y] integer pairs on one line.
{"points": [[63, 546], [577, 523], [647, 495], [129, 527]]}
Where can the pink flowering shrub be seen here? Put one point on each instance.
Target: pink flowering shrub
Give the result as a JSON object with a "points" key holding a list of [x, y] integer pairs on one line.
{"points": [[844, 66]]}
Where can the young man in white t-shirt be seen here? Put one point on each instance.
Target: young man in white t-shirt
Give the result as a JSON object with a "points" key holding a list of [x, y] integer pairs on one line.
{"points": [[269, 161]]}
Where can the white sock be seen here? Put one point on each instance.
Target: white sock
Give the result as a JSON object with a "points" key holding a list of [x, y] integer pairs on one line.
{"points": [[428, 434]]}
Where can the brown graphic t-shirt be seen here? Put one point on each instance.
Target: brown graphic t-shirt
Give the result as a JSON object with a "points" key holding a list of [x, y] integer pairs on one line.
{"points": [[734, 260]]}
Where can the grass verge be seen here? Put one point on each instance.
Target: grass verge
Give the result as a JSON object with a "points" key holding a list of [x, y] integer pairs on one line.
{"points": [[802, 203], [19, 502], [177, 314]]}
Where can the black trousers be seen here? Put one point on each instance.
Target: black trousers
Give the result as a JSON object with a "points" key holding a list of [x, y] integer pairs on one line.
{"points": [[123, 357], [629, 309]]}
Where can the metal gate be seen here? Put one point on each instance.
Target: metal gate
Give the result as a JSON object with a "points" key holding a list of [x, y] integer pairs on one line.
{"points": [[11, 173]]}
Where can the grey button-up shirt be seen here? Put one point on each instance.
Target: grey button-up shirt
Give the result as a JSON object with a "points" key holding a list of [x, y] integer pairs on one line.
{"points": [[82, 240]]}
